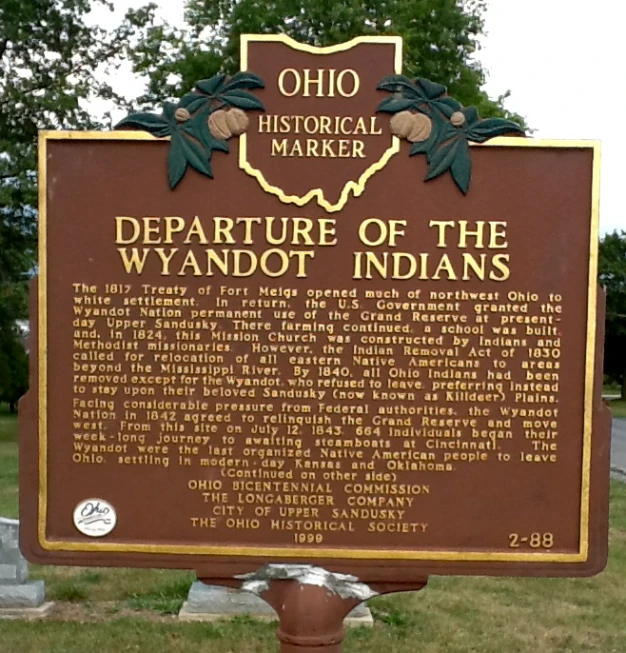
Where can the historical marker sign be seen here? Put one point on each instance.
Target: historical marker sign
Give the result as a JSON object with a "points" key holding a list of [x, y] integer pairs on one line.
{"points": [[315, 355]]}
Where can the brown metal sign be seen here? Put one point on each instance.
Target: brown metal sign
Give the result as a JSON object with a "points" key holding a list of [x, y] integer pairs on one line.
{"points": [[324, 125], [297, 350]]}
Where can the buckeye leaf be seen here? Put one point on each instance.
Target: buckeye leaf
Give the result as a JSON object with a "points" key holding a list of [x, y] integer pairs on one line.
{"points": [[243, 100], [187, 99], [196, 156], [198, 128], [461, 167], [243, 80], [442, 159], [430, 90], [447, 105], [393, 105], [442, 131], [395, 83], [164, 131], [471, 116], [154, 124], [420, 148], [212, 143], [211, 86], [491, 127], [192, 101], [176, 161], [169, 108]]}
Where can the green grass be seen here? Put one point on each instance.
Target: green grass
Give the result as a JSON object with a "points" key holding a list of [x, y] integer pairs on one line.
{"points": [[166, 599], [131, 588], [611, 387], [618, 407], [8, 463], [68, 591], [123, 610]]}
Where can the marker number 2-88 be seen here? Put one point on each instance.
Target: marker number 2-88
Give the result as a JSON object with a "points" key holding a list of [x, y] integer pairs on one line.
{"points": [[534, 540]]}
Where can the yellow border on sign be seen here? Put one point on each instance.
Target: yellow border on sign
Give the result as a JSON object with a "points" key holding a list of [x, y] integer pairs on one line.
{"points": [[42, 336], [354, 187], [592, 298], [318, 552]]}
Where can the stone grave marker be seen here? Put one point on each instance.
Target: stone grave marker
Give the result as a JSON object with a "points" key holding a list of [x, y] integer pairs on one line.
{"points": [[19, 597], [211, 602]]}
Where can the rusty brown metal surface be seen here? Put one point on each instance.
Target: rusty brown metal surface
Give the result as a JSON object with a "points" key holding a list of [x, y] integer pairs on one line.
{"points": [[311, 618], [466, 516]]}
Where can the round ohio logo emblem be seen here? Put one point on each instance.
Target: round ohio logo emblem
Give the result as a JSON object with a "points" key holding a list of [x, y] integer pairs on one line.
{"points": [[95, 517]]}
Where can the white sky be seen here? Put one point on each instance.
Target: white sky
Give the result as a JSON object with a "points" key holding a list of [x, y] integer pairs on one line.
{"points": [[562, 60]]}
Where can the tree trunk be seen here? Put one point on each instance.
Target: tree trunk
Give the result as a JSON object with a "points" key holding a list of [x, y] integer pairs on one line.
{"points": [[624, 386], [12, 407]]}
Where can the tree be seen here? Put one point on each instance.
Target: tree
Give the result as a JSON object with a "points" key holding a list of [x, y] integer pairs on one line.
{"points": [[612, 274], [13, 367], [51, 63], [440, 40]]}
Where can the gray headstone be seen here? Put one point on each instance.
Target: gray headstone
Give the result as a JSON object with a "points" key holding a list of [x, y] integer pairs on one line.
{"points": [[27, 595], [225, 600], [13, 565], [19, 597], [208, 602]]}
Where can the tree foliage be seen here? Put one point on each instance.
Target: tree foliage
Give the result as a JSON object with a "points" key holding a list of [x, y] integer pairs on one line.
{"points": [[612, 274], [52, 61], [440, 40], [13, 366]]}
